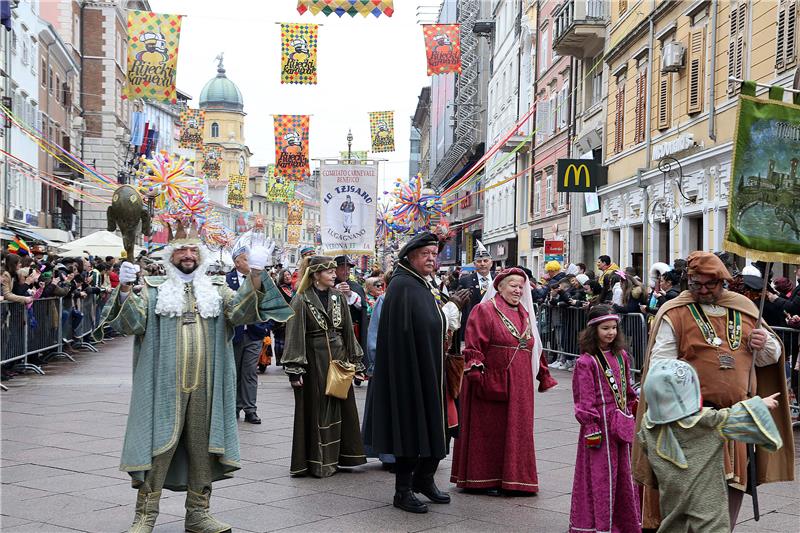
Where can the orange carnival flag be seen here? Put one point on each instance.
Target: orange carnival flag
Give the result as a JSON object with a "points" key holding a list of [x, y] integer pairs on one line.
{"points": [[291, 147], [152, 55], [442, 48]]}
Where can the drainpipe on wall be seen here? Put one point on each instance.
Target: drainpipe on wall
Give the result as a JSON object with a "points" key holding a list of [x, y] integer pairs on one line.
{"points": [[712, 90], [648, 145]]}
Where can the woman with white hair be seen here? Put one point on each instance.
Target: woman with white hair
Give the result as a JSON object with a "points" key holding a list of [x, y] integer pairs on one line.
{"points": [[495, 449]]}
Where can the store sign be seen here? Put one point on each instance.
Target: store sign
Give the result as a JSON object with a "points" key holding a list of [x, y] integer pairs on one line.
{"points": [[554, 247], [683, 142], [580, 175]]}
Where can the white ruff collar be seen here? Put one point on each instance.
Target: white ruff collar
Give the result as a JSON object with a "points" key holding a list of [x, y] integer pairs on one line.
{"points": [[171, 297]]}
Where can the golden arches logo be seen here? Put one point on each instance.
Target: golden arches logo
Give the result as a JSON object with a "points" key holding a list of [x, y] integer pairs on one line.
{"points": [[577, 171]]}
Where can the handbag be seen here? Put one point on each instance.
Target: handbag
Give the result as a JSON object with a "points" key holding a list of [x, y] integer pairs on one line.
{"points": [[454, 369], [494, 384], [623, 426], [340, 375]]}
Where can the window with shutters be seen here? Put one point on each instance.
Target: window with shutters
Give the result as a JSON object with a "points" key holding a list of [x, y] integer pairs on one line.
{"points": [[563, 110], [536, 195], [549, 195], [542, 114], [737, 44], [623, 7], [545, 48], [786, 41], [640, 111], [696, 71], [619, 116], [664, 89], [552, 123]]}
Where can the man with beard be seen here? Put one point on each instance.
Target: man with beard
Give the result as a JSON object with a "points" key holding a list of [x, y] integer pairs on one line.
{"points": [[409, 416], [717, 332], [181, 432]]}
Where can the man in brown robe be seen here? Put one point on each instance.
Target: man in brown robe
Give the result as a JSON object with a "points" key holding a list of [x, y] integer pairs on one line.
{"points": [[715, 330]]}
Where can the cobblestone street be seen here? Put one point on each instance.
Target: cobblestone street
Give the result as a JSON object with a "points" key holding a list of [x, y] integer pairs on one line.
{"points": [[62, 436]]}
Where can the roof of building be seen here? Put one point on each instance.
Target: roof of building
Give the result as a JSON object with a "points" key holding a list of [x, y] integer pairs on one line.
{"points": [[221, 93]]}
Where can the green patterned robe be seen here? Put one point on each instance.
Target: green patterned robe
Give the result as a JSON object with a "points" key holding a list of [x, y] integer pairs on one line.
{"points": [[153, 425]]}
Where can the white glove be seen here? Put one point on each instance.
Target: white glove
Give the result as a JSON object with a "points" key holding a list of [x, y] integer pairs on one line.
{"points": [[259, 256], [128, 272]]}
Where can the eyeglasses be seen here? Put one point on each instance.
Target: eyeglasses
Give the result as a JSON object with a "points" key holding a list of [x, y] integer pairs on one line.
{"points": [[710, 285]]}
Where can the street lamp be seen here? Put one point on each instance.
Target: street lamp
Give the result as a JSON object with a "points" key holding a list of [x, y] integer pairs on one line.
{"points": [[349, 145]]}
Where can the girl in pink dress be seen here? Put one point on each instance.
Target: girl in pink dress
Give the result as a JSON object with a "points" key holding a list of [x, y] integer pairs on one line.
{"points": [[604, 497]]}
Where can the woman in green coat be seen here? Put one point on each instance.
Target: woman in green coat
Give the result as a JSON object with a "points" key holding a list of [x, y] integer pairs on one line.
{"points": [[326, 429]]}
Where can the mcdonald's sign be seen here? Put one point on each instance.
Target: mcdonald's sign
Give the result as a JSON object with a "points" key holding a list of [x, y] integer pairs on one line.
{"points": [[580, 175]]}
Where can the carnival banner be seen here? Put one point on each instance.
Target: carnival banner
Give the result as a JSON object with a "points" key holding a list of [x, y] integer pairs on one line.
{"points": [[764, 196], [152, 55], [381, 130], [278, 189], [294, 216], [349, 7], [192, 123], [442, 48], [237, 191], [293, 235], [299, 53], [211, 164], [291, 147], [349, 198]]}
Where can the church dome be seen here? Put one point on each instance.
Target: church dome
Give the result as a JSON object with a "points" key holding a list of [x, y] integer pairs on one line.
{"points": [[221, 93]]}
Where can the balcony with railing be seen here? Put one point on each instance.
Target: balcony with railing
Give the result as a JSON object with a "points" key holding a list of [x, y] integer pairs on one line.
{"points": [[580, 28]]}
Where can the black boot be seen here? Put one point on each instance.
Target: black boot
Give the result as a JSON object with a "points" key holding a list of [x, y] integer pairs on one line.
{"points": [[404, 498], [432, 492], [423, 481]]}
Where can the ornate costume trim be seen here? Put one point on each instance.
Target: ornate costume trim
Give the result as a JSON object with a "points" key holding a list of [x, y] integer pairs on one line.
{"points": [[336, 311], [734, 327], [619, 389], [522, 338]]}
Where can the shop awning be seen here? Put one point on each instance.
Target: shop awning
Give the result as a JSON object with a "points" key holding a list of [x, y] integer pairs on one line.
{"points": [[28, 234]]}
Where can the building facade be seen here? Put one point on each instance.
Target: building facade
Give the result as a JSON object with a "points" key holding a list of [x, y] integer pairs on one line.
{"points": [[554, 75], [106, 139], [60, 123], [580, 28], [458, 124], [680, 57], [505, 108], [23, 192]]}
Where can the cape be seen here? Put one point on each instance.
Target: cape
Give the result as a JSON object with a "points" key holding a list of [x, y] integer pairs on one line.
{"points": [[152, 426], [408, 404], [772, 467]]}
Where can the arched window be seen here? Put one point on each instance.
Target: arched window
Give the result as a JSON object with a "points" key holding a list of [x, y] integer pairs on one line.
{"points": [[215, 129]]}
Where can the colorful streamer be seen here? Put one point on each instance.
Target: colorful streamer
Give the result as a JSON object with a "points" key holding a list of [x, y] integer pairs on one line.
{"points": [[415, 206]]}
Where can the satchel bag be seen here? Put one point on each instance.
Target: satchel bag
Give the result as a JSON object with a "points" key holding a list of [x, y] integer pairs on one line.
{"points": [[454, 369], [340, 375], [623, 426], [494, 382]]}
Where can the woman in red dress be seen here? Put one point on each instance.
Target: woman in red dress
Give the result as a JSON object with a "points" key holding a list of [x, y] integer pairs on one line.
{"points": [[495, 449]]}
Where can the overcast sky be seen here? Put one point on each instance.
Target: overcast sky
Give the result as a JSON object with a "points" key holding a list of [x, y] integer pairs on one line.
{"points": [[364, 64]]}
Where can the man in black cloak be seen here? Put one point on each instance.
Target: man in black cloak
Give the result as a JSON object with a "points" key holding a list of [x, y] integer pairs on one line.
{"points": [[408, 409]]}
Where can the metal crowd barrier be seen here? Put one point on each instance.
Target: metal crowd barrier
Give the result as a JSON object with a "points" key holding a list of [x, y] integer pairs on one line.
{"points": [[560, 327], [43, 329], [791, 342], [76, 331]]}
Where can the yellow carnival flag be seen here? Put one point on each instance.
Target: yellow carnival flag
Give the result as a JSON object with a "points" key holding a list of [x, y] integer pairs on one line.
{"points": [[152, 55], [299, 53], [237, 191], [381, 130]]}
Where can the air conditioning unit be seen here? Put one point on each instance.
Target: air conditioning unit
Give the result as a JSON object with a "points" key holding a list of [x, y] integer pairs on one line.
{"points": [[672, 55]]}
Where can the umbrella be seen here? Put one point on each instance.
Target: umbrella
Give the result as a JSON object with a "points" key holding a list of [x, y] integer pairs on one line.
{"points": [[100, 243]]}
